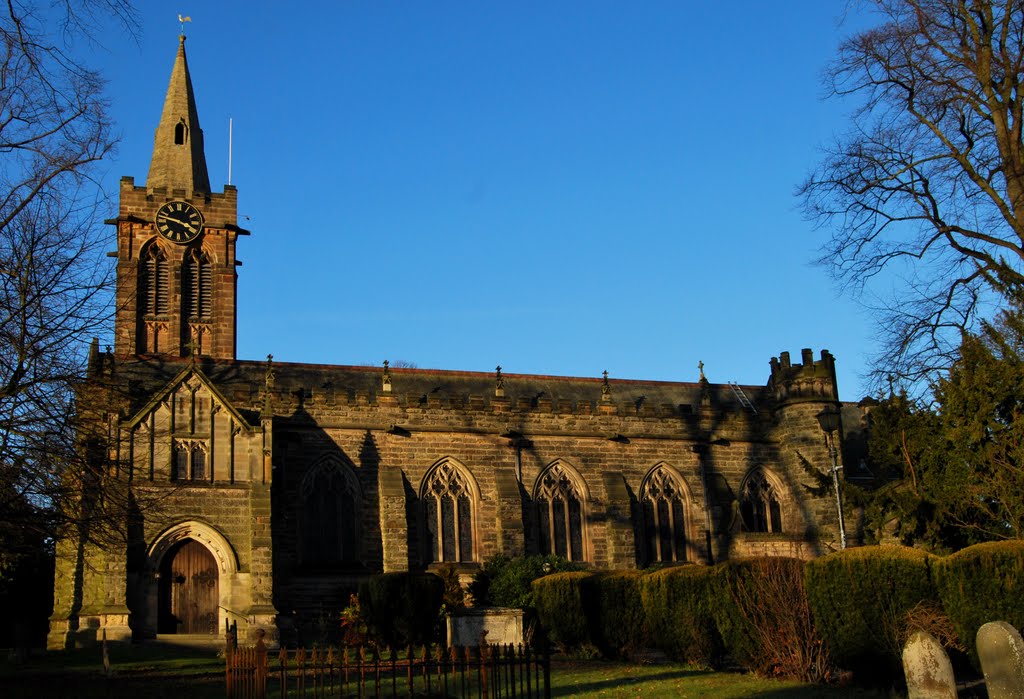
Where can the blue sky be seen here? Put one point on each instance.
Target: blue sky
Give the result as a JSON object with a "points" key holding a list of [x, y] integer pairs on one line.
{"points": [[559, 188]]}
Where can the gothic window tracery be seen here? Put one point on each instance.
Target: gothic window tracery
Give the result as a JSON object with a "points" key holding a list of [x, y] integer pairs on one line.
{"points": [[330, 497], [560, 500], [663, 499], [190, 461], [448, 503], [760, 504]]}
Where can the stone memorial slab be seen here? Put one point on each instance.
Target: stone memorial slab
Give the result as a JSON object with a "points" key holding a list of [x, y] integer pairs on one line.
{"points": [[927, 668], [1001, 652], [467, 627]]}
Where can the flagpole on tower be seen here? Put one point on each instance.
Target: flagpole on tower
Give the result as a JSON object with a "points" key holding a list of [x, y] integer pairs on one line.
{"points": [[231, 133]]}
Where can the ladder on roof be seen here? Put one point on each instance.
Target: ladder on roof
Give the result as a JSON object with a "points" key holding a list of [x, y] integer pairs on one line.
{"points": [[742, 397]]}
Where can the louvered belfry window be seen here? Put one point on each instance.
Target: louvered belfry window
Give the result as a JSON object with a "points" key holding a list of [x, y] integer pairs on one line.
{"points": [[198, 291], [154, 286]]}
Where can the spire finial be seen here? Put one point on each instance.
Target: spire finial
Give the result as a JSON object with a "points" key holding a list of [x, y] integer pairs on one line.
{"points": [[183, 20]]}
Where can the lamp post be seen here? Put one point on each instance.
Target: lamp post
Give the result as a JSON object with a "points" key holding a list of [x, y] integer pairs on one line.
{"points": [[829, 419]]}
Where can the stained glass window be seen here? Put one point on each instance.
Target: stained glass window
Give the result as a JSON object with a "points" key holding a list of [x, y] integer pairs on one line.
{"points": [[447, 498], [559, 501]]}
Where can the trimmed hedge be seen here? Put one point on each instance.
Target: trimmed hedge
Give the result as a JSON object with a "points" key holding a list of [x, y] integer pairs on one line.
{"points": [[402, 608], [614, 611], [506, 582], [982, 583], [678, 607], [861, 598], [559, 602]]}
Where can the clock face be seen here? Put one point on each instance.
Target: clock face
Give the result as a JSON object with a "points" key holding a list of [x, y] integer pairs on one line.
{"points": [[179, 221]]}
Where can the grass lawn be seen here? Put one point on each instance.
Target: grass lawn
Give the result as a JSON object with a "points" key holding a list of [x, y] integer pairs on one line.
{"points": [[610, 680], [152, 670]]}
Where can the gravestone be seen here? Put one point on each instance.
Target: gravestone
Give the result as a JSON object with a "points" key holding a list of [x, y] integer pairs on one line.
{"points": [[927, 668], [1001, 652]]}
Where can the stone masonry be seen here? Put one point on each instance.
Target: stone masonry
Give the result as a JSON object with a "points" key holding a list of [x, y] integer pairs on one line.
{"points": [[299, 480]]}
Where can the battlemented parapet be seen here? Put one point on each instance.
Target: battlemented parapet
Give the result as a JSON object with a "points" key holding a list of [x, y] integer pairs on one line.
{"points": [[811, 380]]}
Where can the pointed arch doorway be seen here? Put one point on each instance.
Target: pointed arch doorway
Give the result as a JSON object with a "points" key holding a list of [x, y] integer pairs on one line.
{"points": [[189, 590]]}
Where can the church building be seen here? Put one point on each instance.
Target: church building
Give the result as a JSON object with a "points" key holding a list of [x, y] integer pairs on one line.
{"points": [[263, 492]]}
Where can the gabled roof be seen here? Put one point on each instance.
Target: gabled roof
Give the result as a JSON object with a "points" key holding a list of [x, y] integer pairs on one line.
{"points": [[179, 160], [190, 371]]}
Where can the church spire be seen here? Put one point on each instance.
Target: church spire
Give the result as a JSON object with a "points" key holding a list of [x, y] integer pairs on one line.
{"points": [[179, 161]]}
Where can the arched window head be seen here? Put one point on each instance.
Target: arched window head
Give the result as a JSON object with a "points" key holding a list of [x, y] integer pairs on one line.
{"points": [[448, 495], [330, 499], [190, 462], [663, 498], [559, 497], [180, 133], [153, 282], [759, 504], [197, 282]]}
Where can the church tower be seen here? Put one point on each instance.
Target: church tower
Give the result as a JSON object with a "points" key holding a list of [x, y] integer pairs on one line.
{"points": [[176, 279]]}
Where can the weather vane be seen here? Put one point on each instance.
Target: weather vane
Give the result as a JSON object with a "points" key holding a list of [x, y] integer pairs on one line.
{"points": [[183, 20]]}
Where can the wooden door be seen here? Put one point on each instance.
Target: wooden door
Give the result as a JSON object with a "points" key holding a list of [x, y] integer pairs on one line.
{"points": [[194, 593]]}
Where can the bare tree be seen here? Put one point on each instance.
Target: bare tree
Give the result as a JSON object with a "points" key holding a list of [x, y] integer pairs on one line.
{"points": [[925, 193], [54, 283]]}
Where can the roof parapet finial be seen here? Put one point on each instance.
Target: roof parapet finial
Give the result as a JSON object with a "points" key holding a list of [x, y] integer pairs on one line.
{"points": [[499, 383], [386, 378], [267, 412], [182, 20], [606, 389], [700, 368]]}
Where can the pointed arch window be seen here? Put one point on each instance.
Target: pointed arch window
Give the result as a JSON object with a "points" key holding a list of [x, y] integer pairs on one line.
{"points": [[330, 497], [560, 512], [190, 461], [663, 499], [759, 504], [153, 282], [180, 133], [198, 286], [448, 499]]}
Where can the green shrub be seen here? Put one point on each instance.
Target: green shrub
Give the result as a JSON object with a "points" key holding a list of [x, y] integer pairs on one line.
{"points": [[862, 599], [763, 616], [677, 605], [559, 602], [454, 597], [506, 582], [982, 583], [402, 608], [614, 610]]}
